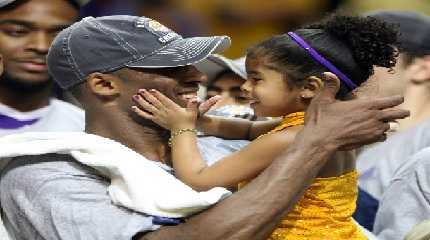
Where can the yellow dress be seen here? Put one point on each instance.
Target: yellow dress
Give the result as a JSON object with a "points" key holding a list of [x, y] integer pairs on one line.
{"points": [[325, 211]]}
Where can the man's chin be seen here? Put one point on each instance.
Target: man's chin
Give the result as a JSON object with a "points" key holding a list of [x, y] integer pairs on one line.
{"points": [[25, 83]]}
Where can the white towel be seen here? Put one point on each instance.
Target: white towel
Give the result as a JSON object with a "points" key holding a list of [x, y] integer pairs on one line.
{"points": [[136, 182]]}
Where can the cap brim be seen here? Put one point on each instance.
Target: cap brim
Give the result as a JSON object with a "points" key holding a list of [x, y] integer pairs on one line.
{"points": [[5, 2], [215, 64], [183, 52]]}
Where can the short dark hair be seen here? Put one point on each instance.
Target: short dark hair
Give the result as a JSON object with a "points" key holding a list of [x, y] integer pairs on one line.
{"points": [[353, 44], [414, 31]]}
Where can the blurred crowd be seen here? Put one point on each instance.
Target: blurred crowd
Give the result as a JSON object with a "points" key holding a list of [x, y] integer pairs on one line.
{"points": [[394, 175]]}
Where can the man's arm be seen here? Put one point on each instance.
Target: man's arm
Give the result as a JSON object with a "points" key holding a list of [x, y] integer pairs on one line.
{"points": [[232, 128], [255, 211]]}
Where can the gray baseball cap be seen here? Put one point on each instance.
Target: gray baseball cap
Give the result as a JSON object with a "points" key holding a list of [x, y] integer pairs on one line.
{"points": [[107, 44], [5, 2], [217, 64]]}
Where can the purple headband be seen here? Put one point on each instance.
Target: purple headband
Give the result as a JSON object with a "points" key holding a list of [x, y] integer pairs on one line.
{"points": [[321, 60]]}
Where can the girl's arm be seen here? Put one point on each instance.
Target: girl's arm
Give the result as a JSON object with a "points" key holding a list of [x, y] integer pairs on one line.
{"points": [[244, 164], [187, 161], [231, 128]]}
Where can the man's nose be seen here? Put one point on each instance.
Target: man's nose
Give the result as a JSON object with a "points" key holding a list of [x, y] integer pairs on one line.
{"points": [[40, 42]]}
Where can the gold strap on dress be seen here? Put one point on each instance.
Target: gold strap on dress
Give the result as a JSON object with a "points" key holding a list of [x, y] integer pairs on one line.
{"points": [[291, 120]]}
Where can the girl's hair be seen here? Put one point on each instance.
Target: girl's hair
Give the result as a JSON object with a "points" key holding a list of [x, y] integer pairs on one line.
{"points": [[351, 43]]}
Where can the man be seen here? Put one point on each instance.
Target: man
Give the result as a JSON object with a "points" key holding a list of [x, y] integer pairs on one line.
{"points": [[27, 28], [104, 62], [411, 77], [224, 78]]}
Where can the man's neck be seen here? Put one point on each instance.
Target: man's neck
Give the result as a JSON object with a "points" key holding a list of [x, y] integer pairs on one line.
{"points": [[146, 140], [417, 100], [27, 101]]}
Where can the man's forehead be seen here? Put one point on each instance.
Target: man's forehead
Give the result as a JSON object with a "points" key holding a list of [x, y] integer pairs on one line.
{"points": [[43, 13]]}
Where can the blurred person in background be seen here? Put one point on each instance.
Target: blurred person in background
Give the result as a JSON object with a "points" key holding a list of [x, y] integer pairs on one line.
{"points": [[405, 201], [398, 175], [411, 78], [27, 28], [225, 76]]}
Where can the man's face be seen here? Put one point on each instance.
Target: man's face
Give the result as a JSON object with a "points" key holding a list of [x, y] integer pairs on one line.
{"points": [[389, 83], [26, 32], [228, 87], [180, 84]]}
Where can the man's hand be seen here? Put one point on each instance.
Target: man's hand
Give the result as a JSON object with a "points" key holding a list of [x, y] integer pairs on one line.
{"points": [[345, 125]]}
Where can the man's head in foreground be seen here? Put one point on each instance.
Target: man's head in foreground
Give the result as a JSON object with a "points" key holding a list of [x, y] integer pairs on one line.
{"points": [[105, 61]]}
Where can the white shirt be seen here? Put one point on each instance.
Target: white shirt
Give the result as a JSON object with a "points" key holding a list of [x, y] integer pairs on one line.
{"points": [[58, 116], [378, 164]]}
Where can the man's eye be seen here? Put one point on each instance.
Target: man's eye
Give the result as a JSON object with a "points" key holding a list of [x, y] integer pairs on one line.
{"points": [[16, 32]]}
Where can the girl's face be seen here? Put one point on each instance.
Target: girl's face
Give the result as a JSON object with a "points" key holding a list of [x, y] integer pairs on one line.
{"points": [[269, 91]]}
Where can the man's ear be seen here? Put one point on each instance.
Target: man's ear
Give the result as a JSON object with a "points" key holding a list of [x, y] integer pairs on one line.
{"points": [[103, 85], [420, 70], [312, 86]]}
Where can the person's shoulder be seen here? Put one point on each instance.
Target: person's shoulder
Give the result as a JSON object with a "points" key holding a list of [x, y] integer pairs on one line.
{"points": [[66, 116], [63, 106], [286, 136]]}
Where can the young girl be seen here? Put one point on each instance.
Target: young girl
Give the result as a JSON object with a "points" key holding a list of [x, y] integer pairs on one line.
{"points": [[284, 74]]}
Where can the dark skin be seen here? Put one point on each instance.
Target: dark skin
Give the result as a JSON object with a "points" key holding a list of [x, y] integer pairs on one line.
{"points": [[26, 32], [254, 211]]}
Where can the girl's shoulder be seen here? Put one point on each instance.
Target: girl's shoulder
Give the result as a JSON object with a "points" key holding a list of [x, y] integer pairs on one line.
{"points": [[285, 136]]}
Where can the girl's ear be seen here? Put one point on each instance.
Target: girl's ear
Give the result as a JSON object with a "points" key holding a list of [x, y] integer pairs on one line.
{"points": [[312, 86]]}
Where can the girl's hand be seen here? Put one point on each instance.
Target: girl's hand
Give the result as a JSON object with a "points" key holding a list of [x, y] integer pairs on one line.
{"points": [[205, 106], [158, 108]]}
